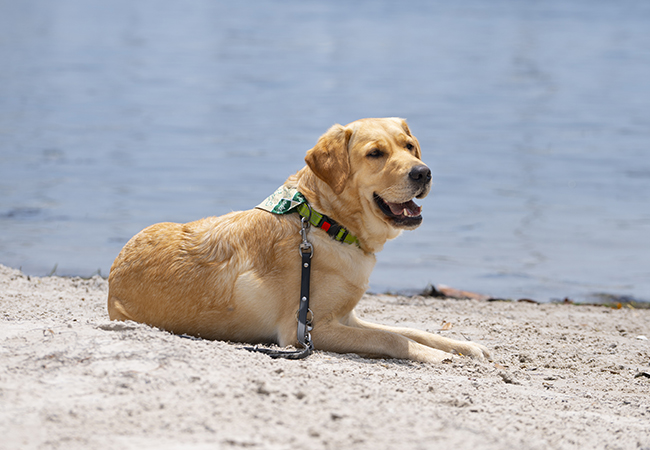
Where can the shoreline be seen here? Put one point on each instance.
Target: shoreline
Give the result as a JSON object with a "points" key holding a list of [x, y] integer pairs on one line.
{"points": [[562, 377], [605, 299]]}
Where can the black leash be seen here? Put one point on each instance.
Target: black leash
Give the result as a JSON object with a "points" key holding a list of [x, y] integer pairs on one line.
{"points": [[305, 316]]}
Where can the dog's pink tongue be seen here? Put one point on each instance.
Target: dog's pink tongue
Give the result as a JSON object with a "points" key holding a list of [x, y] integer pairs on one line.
{"points": [[409, 208]]}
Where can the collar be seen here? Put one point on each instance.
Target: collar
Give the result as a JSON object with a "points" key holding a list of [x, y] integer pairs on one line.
{"points": [[330, 226], [287, 200]]}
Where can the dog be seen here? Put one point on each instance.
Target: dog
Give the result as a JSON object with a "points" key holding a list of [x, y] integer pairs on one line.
{"points": [[237, 277]]}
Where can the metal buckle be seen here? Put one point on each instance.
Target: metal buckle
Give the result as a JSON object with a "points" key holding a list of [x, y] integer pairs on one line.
{"points": [[305, 245]]}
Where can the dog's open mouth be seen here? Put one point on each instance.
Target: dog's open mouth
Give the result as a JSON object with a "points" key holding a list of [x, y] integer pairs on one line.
{"points": [[407, 214]]}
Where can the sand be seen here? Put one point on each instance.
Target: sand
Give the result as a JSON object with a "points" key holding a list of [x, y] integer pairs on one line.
{"points": [[563, 377]]}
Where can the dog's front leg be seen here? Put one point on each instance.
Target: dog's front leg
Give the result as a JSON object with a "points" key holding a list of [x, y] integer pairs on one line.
{"points": [[471, 349], [340, 338]]}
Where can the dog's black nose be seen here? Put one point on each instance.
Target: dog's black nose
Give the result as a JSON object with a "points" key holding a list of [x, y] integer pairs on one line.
{"points": [[421, 174]]}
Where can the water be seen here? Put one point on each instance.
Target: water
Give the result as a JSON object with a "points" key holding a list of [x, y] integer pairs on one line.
{"points": [[534, 117]]}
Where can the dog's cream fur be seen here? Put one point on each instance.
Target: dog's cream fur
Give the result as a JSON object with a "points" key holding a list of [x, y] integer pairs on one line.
{"points": [[237, 277]]}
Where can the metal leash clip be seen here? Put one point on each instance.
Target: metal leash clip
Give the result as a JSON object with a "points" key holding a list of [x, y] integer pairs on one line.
{"points": [[305, 245]]}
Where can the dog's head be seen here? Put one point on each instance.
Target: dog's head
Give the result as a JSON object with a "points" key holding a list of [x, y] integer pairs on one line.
{"points": [[374, 168]]}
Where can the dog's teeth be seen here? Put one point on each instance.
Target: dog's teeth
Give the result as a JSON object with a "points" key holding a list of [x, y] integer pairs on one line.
{"points": [[408, 213]]}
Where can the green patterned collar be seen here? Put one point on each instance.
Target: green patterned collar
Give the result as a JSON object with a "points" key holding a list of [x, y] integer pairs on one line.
{"points": [[287, 200]]}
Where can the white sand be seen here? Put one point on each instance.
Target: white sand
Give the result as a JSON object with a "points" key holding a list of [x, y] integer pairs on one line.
{"points": [[564, 377]]}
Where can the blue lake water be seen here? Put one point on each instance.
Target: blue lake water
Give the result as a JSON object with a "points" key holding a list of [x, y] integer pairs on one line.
{"points": [[533, 116]]}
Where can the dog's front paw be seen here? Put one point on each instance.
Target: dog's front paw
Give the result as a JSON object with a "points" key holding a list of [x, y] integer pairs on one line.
{"points": [[474, 351]]}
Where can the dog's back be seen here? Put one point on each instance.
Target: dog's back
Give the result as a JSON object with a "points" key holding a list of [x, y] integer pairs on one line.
{"points": [[220, 262]]}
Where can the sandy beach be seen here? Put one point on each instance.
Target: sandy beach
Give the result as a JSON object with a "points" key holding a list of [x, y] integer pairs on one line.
{"points": [[563, 377]]}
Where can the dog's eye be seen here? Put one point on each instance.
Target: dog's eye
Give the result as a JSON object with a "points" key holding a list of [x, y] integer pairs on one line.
{"points": [[409, 146], [375, 153]]}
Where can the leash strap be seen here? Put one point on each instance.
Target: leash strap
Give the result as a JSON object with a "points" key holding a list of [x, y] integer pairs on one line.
{"points": [[305, 316]]}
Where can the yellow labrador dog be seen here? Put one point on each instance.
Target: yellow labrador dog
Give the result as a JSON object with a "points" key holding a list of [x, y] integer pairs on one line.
{"points": [[237, 277]]}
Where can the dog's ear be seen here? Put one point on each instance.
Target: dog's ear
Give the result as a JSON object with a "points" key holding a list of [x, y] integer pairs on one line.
{"points": [[407, 130], [405, 127], [329, 159]]}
